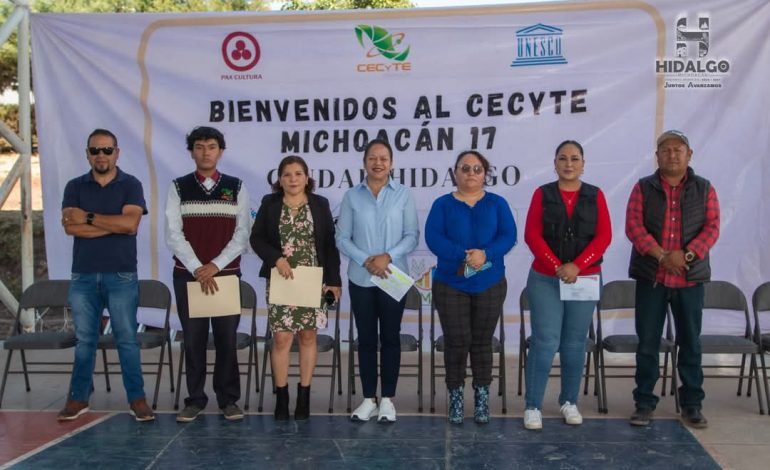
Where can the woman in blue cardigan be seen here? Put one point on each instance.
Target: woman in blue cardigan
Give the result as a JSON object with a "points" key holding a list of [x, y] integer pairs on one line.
{"points": [[470, 231]]}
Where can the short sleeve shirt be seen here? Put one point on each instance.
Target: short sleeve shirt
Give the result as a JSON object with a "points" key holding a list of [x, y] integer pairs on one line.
{"points": [[110, 253]]}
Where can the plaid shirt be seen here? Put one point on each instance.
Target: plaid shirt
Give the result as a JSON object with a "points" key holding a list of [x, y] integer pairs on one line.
{"points": [[643, 241]]}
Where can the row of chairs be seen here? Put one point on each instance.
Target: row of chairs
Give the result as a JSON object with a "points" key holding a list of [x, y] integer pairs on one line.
{"points": [[49, 297], [720, 297], [48, 301]]}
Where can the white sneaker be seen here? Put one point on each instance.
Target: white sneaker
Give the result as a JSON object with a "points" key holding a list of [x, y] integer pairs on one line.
{"points": [[533, 419], [387, 411], [365, 410], [571, 414]]}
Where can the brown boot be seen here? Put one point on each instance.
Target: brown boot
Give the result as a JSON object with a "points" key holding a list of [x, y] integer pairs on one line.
{"points": [[72, 409], [141, 411]]}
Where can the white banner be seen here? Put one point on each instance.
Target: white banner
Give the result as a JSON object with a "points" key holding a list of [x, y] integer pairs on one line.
{"points": [[511, 81]]}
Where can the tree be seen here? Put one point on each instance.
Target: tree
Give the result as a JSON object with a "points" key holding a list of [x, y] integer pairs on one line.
{"points": [[8, 69], [8, 66], [145, 6], [344, 4]]}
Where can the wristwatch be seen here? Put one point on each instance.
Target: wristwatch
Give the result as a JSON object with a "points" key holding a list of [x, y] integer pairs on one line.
{"points": [[689, 256], [90, 218]]}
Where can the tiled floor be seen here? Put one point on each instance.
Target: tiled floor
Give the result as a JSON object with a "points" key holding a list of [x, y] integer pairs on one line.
{"points": [[738, 436], [415, 442]]}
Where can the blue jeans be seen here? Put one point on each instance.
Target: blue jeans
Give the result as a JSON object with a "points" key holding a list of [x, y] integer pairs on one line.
{"points": [[89, 295], [557, 325]]}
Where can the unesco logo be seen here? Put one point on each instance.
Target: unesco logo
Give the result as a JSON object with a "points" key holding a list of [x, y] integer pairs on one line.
{"points": [[539, 44], [240, 51]]}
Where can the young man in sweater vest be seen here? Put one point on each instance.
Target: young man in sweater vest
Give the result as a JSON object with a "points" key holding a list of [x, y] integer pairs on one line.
{"points": [[207, 228]]}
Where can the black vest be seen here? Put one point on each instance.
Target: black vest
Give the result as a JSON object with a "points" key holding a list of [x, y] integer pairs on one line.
{"points": [[692, 203], [569, 236]]}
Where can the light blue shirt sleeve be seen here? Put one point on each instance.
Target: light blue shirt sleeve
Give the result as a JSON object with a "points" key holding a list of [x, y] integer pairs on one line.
{"points": [[411, 230], [344, 233]]}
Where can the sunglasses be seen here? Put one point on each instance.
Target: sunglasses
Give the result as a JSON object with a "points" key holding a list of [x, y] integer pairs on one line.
{"points": [[477, 169], [105, 150]]}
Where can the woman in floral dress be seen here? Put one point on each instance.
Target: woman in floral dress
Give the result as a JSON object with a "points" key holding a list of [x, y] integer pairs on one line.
{"points": [[294, 227]]}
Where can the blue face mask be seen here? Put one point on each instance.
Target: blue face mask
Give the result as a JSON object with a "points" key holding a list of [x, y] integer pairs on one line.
{"points": [[469, 271]]}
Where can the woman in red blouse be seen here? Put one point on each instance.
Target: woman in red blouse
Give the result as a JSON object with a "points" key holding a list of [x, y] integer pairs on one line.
{"points": [[568, 229]]}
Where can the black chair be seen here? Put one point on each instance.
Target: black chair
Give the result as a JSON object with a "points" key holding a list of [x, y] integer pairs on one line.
{"points": [[49, 301], [324, 343], [592, 350], [621, 295], [760, 302], [242, 341], [437, 345], [152, 294], [724, 296], [409, 343]]}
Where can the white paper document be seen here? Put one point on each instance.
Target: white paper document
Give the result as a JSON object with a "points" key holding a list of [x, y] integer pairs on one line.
{"points": [[305, 290], [585, 288], [223, 302], [397, 283]]}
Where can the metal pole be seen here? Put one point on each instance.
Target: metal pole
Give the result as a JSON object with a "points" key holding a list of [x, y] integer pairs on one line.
{"points": [[25, 131], [6, 29]]}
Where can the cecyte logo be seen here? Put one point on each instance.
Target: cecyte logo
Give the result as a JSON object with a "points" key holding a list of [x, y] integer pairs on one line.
{"points": [[383, 43], [240, 51]]}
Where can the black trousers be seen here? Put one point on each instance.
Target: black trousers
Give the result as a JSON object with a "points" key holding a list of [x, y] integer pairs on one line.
{"points": [[375, 310], [687, 309], [468, 322], [227, 376]]}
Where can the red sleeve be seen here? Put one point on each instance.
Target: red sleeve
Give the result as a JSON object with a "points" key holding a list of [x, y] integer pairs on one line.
{"points": [[601, 240], [533, 234], [642, 240]]}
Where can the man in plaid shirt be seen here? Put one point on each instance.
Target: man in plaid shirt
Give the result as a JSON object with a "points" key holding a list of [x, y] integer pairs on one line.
{"points": [[672, 220]]}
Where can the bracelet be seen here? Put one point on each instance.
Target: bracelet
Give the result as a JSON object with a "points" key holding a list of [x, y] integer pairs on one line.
{"points": [[662, 255]]}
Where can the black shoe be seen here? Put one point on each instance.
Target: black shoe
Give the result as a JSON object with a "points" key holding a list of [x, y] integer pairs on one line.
{"points": [[302, 411], [694, 418], [282, 403], [232, 412], [189, 413], [641, 417]]}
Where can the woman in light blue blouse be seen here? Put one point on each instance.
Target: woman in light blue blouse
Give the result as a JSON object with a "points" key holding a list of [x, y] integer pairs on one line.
{"points": [[377, 226], [470, 231]]}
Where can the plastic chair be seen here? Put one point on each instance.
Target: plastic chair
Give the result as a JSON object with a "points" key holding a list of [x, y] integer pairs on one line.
{"points": [[760, 302], [44, 297], [724, 296]]}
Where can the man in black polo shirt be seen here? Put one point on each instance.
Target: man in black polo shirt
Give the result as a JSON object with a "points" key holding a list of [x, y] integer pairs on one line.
{"points": [[102, 210]]}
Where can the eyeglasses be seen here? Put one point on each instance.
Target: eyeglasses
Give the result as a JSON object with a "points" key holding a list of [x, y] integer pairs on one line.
{"points": [[105, 150], [477, 169]]}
